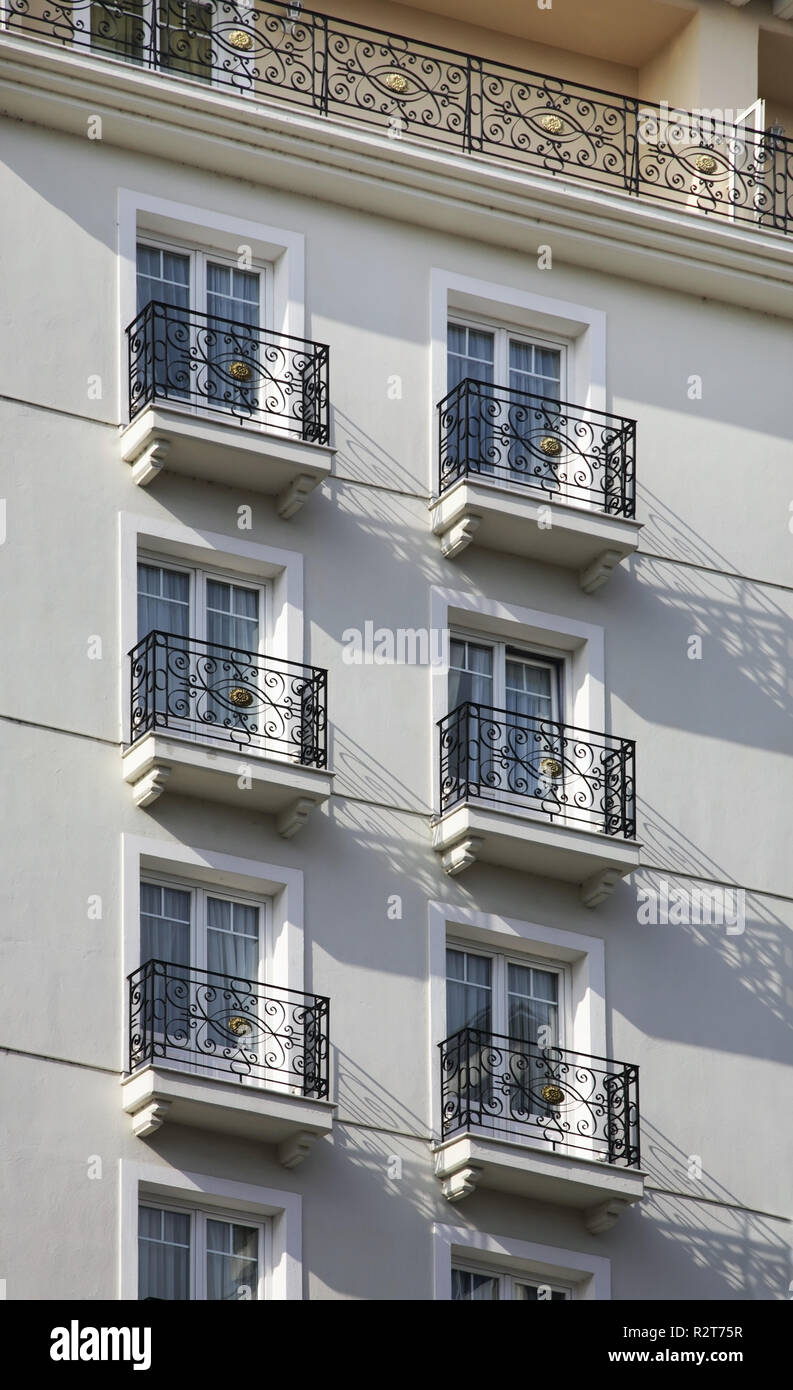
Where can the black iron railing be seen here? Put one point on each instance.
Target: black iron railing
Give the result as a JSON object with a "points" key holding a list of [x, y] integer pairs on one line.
{"points": [[239, 1029], [405, 87], [246, 374], [569, 774], [570, 452], [224, 695], [514, 1089]]}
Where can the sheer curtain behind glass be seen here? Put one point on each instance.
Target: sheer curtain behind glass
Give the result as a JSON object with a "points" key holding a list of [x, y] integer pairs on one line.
{"points": [[232, 1261], [470, 354], [164, 276], [533, 1019], [469, 1004], [538, 371], [163, 1254], [165, 932], [473, 1288], [164, 606], [530, 688], [232, 622], [233, 304], [470, 684]]}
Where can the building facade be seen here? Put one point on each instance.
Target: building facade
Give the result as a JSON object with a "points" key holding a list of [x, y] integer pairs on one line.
{"points": [[396, 688]]}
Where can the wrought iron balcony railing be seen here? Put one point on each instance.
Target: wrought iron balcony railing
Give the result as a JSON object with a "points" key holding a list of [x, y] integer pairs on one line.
{"points": [[238, 1029], [223, 695], [247, 374], [497, 434], [514, 1089], [406, 88], [571, 775]]}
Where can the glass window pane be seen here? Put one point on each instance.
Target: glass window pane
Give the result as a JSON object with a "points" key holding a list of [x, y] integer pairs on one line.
{"points": [[232, 1261], [473, 1287], [163, 1254], [165, 924]]}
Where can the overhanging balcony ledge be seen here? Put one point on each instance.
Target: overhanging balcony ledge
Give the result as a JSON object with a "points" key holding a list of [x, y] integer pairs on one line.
{"points": [[470, 1161], [228, 725], [249, 780], [219, 1052], [227, 401], [156, 1095], [540, 528], [525, 840], [534, 794], [170, 438], [537, 477]]}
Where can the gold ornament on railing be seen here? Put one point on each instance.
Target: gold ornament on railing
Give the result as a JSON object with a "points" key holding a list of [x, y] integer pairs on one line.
{"points": [[240, 38], [240, 1027], [554, 1095], [553, 124], [550, 767], [396, 82], [550, 446], [240, 697], [240, 371], [706, 164]]}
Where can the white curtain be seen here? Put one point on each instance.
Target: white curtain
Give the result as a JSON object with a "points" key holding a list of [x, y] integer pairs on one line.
{"points": [[163, 1254]]}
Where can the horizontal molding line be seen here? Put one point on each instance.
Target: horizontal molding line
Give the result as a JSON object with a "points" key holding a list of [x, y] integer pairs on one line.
{"points": [[413, 811], [59, 1061], [342, 480], [717, 1202]]}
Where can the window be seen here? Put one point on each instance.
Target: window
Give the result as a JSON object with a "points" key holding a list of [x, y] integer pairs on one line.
{"points": [[175, 34], [189, 1254], [208, 930], [469, 1285], [506, 705], [206, 607], [495, 426], [203, 334], [505, 1018]]}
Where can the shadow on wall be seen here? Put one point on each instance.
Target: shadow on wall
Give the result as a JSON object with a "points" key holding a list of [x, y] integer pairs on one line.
{"points": [[760, 957], [752, 630], [360, 457], [744, 1250]]}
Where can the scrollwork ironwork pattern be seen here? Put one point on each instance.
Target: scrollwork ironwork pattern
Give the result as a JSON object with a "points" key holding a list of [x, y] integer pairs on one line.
{"points": [[241, 1029], [248, 374], [407, 88], [510, 437], [191, 687], [512, 1088], [570, 774]]}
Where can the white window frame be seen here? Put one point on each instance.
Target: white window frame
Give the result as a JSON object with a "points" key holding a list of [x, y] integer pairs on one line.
{"points": [[173, 544], [280, 888], [198, 1241], [502, 333], [198, 256], [144, 217], [588, 1276], [507, 1279], [499, 988], [545, 656], [198, 576], [198, 916], [582, 956], [580, 326], [150, 1182]]}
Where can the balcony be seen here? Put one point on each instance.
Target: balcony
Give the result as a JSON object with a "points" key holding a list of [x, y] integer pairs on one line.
{"points": [[229, 726], [227, 402], [226, 1054], [285, 55], [536, 795], [536, 477], [546, 1123]]}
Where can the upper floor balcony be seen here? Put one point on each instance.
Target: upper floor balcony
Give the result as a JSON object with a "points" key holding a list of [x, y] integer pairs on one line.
{"points": [[226, 401], [287, 55], [223, 1053], [227, 725], [508, 457], [534, 794], [543, 1122]]}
